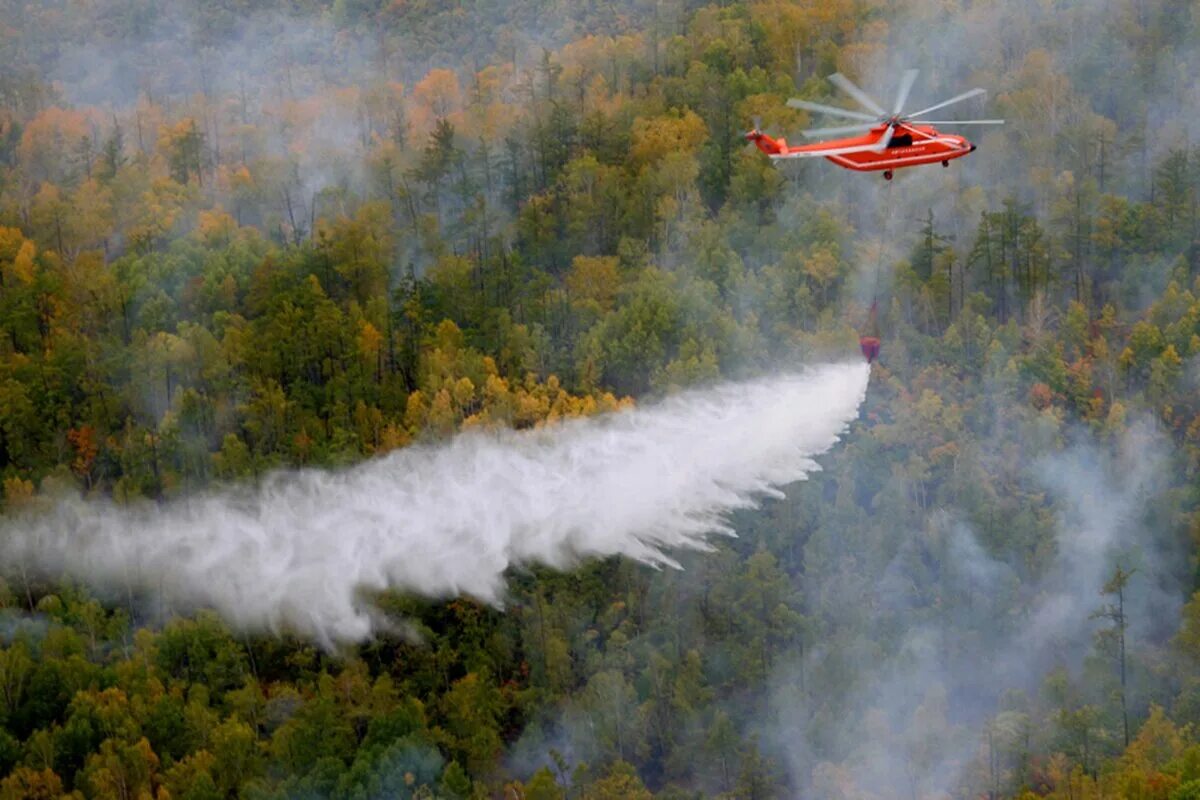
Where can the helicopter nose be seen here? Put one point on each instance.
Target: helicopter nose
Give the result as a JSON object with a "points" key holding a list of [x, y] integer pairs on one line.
{"points": [[972, 150]]}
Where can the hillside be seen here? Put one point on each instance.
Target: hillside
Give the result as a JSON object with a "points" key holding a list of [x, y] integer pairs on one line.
{"points": [[241, 239]]}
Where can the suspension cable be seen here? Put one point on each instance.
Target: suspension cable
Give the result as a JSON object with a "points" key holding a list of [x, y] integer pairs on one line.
{"points": [[886, 225]]}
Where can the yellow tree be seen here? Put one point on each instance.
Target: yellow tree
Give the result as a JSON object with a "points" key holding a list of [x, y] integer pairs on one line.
{"points": [[46, 142], [594, 280], [17, 256], [121, 771], [621, 783], [29, 784], [49, 217], [91, 221], [656, 137], [437, 96], [360, 249]]}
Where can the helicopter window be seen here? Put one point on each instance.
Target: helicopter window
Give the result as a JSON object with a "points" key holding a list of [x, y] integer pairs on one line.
{"points": [[901, 140]]}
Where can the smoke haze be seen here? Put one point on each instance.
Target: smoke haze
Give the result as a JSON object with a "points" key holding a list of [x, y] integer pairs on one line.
{"points": [[295, 552], [958, 647]]}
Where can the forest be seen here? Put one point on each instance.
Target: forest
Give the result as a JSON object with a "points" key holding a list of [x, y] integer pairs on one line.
{"points": [[249, 237]]}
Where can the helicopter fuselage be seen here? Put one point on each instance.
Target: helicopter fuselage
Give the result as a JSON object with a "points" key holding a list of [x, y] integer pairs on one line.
{"points": [[910, 146]]}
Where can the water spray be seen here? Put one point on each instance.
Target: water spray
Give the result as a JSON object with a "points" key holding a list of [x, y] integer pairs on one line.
{"points": [[299, 551]]}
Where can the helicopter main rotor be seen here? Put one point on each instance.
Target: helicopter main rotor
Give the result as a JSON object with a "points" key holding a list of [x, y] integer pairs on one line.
{"points": [[878, 116]]}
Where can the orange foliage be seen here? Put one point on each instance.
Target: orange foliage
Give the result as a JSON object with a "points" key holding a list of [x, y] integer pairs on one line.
{"points": [[83, 440], [1041, 396], [215, 226], [439, 93], [47, 139]]}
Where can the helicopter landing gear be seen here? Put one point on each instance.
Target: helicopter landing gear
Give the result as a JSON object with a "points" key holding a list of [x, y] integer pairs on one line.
{"points": [[946, 163], [887, 175]]}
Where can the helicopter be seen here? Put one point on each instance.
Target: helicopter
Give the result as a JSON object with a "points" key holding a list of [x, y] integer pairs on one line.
{"points": [[887, 141]]}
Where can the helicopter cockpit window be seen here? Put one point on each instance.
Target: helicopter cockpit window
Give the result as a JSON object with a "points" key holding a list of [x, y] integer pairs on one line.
{"points": [[901, 140]]}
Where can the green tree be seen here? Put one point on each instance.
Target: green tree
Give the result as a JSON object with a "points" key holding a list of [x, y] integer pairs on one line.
{"points": [[1112, 638]]}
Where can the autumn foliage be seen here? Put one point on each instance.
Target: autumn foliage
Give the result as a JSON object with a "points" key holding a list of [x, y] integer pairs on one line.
{"points": [[402, 220]]}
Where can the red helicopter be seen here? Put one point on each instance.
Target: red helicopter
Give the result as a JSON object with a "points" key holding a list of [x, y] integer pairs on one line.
{"points": [[887, 142]]}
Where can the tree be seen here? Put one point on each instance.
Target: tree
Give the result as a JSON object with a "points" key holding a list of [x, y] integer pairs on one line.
{"points": [[317, 735], [28, 784], [184, 146], [122, 770], [112, 154], [594, 280], [439, 93], [1113, 638], [621, 783], [543, 786], [610, 702], [755, 780], [472, 709], [655, 138], [43, 151]]}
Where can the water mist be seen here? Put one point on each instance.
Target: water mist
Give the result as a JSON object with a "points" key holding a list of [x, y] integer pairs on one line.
{"points": [[298, 550]]}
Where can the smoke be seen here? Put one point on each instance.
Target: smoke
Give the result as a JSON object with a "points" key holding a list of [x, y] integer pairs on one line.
{"points": [[278, 50], [961, 635], [302, 550]]}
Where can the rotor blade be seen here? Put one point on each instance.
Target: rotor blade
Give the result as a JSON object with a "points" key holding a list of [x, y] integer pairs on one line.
{"points": [[944, 103], [840, 129], [961, 121], [886, 139], [864, 99], [906, 84], [917, 131], [824, 109]]}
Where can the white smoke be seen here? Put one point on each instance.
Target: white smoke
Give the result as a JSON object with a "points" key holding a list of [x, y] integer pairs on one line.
{"points": [[962, 637], [298, 551]]}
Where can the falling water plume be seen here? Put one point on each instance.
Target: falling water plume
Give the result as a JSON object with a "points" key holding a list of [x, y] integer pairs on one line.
{"points": [[301, 549]]}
